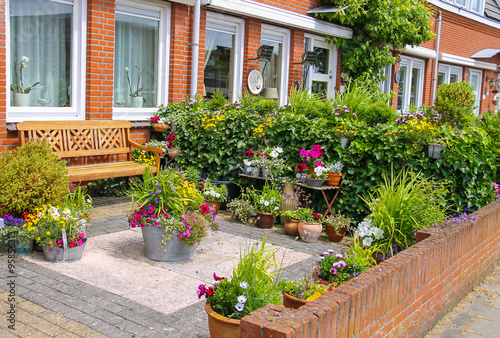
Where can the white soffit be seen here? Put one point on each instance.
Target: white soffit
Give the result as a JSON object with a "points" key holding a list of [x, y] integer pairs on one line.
{"points": [[279, 16], [185, 2], [486, 53], [458, 10], [420, 51], [462, 61]]}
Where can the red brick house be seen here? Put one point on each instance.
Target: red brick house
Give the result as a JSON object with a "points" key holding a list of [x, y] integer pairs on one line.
{"points": [[89, 58]]}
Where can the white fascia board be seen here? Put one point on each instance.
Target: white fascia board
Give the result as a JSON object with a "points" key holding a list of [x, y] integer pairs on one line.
{"points": [[420, 51], [460, 60], [279, 16], [185, 2], [465, 13]]}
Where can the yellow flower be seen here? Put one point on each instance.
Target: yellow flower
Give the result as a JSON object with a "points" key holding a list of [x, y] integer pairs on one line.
{"points": [[48, 233]]}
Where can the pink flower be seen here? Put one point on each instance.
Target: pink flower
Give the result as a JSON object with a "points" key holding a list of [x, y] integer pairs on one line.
{"points": [[82, 235], [80, 242], [337, 114]]}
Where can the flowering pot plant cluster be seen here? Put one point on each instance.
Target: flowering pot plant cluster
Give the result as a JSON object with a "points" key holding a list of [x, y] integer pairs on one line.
{"points": [[266, 200], [250, 287], [307, 289], [309, 216], [338, 267], [172, 203], [213, 192]]}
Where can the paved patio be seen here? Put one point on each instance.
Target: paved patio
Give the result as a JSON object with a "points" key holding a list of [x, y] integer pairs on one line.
{"points": [[116, 291]]}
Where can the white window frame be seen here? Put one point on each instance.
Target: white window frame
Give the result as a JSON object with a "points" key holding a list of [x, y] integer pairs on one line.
{"points": [[479, 74], [78, 76], [449, 70], [285, 58], [140, 114], [385, 85], [330, 78], [468, 6], [413, 63], [239, 49]]}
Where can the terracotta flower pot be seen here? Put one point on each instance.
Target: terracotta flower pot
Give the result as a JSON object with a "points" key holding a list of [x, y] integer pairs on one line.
{"points": [[292, 302], [292, 227], [265, 220], [333, 179], [174, 153], [213, 204], [310, 232], [161, 127], [335, 236], [220, 326]]}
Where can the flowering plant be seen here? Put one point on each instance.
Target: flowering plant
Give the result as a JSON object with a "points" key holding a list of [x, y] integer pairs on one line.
{"points": [[320, 171], [212, 192], [339, 267], [266, 201], [416, 126], [15, 228], [338, 221], [439, 140], [310, 155], [172, 203], [271, 160], [240, 209], [345, 131], [368, 233], [18, 86], [136, 92], [308, 215], [301, 167], [251, 286], [306, 289]]}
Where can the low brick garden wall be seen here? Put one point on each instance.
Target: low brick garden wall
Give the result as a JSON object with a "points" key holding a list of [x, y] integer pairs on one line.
{"points": [[405, 295]]}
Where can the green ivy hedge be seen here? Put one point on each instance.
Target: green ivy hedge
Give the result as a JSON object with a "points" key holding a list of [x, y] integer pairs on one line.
{"points": [[469, 162]]}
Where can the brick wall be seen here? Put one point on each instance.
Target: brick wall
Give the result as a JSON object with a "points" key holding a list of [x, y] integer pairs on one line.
{"points": [[403, 296]]}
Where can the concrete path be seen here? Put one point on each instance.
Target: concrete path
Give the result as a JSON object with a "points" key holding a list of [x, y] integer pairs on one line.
{"points": [[116, 291]]}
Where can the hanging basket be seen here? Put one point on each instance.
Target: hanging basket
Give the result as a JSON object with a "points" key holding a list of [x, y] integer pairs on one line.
{"points": [[174, 153], [161, 127]]}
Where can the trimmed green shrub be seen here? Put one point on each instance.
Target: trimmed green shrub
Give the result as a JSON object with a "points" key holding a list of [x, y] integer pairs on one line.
{"points": [[455, 104], [30, 176], [378, 112]]}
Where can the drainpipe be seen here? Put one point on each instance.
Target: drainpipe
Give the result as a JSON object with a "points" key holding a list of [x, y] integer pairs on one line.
{"points": [[436, 63], [196, 48]]}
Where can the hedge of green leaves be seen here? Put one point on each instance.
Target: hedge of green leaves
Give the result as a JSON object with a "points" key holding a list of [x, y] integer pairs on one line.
{"points": [[213, 137]]}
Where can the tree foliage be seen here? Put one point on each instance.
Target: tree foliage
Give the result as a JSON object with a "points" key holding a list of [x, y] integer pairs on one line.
{"points": [[379, 26]]}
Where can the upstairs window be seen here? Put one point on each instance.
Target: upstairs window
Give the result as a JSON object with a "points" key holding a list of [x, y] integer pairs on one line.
{"points": [[475, 6]]}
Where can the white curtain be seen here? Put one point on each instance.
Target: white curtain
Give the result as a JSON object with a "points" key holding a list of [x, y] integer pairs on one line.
{"points": [[136, 44], [41, 31]]}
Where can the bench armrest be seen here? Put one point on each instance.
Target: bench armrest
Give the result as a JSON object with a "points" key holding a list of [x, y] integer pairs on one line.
{"points": [[156, 150]]}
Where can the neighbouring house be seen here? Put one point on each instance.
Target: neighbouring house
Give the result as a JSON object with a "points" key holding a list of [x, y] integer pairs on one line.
{"points": [[120, 59]]}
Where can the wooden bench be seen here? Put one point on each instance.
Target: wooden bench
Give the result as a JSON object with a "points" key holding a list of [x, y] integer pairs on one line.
{"points": [[99, 139]]}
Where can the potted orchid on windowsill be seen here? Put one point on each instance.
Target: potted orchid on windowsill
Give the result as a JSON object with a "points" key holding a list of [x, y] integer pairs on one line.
{"points": [[20, 96], [136, 100]]}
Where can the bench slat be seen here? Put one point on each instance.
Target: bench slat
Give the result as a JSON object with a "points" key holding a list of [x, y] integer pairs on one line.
{"points": [[98, 171]]}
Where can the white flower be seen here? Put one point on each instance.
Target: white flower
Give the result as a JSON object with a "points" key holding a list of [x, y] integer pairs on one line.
{"points": [[126, 69], [25, 59], [278, 149], [367, 241], [379, 234], [274, 154], [242, 299], [243, 285], [239, 307], [247, 162]]}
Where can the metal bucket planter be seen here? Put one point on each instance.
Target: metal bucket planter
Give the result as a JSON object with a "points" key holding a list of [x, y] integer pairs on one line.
{"points": [[315, 183], [24, 247], [60, 255], [172, 250], [435, 150]]}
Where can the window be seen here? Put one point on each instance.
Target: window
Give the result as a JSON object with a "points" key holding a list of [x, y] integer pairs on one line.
{"points": [[140, 60], [475, 77], [223, 55], [275, 72], [449, 74], [46, 55], [410, 83], [385, 84], [475, 6], [319, 78]]}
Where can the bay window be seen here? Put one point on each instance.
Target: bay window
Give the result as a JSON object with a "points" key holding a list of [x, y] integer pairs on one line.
{"points": [[140, 60], [45, 66]]}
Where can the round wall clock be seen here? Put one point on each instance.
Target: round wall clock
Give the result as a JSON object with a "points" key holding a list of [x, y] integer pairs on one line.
{"points": [[255, 81]]}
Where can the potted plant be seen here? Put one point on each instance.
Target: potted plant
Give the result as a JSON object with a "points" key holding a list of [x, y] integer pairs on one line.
{"points": [[292, 221], [267, 204], [436, 146], [240, 209], [310, 226], [159, 124], [172, 146], [334, 172], [20, 96], [136, 100], [61, 228], [336, 226], [250, 287], [251, 166], [338, 268], [15, 230], [271, 163], [171, 214], [310, 157], [345, 133], [296, 294], [318, 176], [214, 195]]}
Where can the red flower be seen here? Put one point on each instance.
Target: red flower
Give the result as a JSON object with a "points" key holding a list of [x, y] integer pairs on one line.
{"points": [[318, 216], [209, 291], [155, 119], [301, 166], [218, 278], [205, 209]]}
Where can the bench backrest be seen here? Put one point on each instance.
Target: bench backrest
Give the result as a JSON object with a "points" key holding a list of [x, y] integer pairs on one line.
{"points": [[79, 138]]}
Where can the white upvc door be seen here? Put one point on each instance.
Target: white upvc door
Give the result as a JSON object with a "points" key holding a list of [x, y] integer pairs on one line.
{"points": [[475, 79]]}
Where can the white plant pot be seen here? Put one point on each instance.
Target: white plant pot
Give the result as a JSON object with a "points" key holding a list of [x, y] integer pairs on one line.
{"points": [[20, 99], [136, 101]]}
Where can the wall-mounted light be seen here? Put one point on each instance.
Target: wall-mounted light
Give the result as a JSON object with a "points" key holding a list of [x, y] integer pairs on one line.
{"points": [[493, 83]]}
